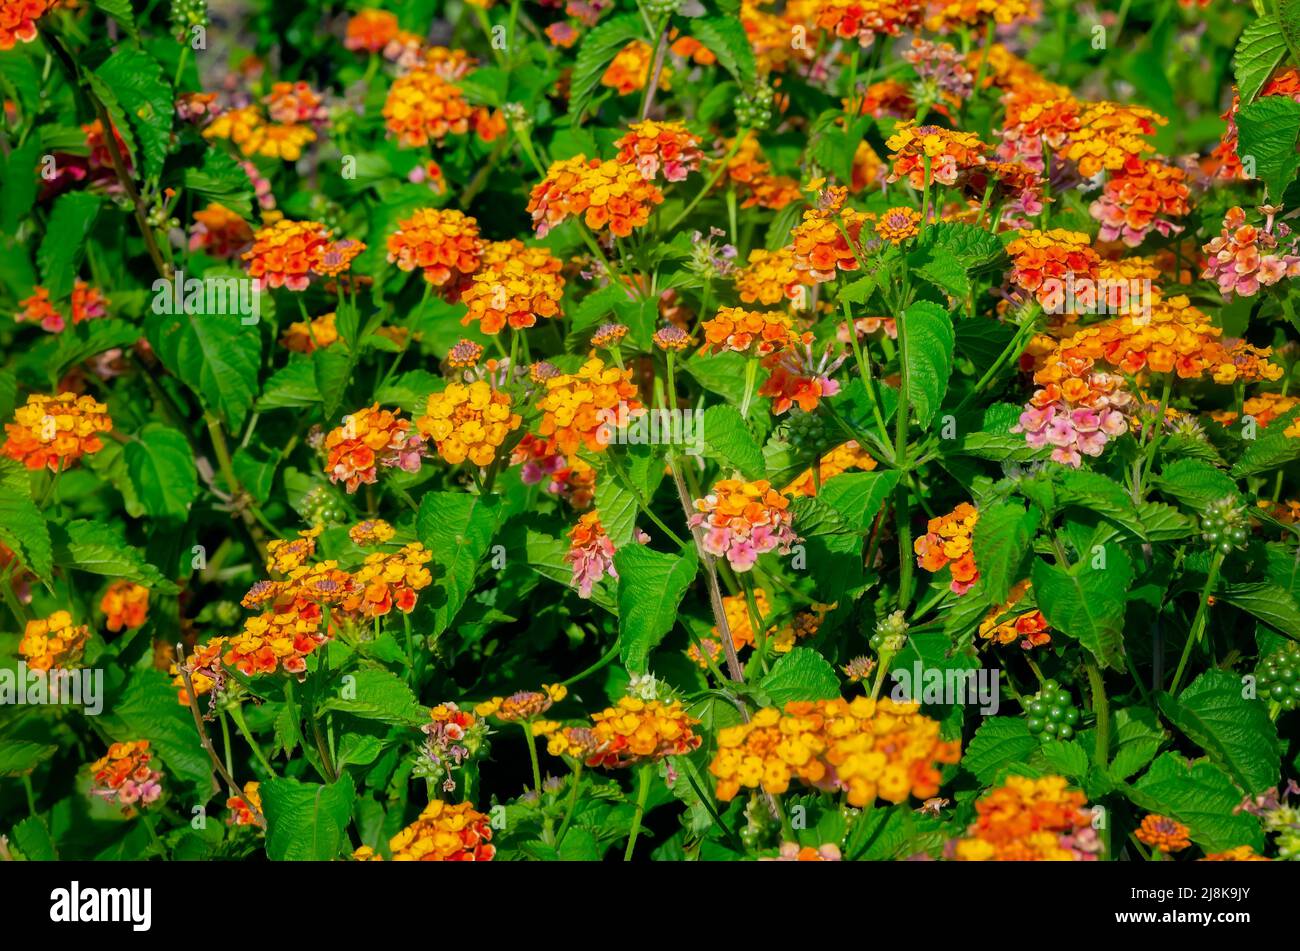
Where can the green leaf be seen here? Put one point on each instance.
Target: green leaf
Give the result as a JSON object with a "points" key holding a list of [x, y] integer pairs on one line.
{"points": [[18, 756], [21, 176], [802, 674], [119, 10], [1001, 542], [998, 743], [64, 244], [1087, 603], [457, 528], [1267, 130], [993, 439], [81, 342], [1137, 740], [34, 841], [618, 509], [138, 83], [1288, 16], [1068, 758], [730, 442], [22, 526], [1202, 797], [1269, 451], [161, 464], [650, 587], [1259, 50], [1272, 604], [927, 357], [858, 496], [597, 50], [307, 822], [222, 180], [332, 369], [293, 386], [215, 355], [374, 693], [726, 39], [1195, 483], [1236, 733], [101, 549]]}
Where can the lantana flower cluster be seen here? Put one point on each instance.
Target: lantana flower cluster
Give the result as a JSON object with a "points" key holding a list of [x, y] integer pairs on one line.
{"points": [[468, 421], [54, 432], [947, 543], [444, 832], [629, 733], [371, 438], [741, 520], [53, 642], [124, 776], [864, 748], [607, 194], [1030, 820]]}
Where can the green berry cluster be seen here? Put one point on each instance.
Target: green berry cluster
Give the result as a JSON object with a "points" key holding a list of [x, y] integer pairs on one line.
{"points": [[890, 635], [1052, 712], [754, 108], [1224, 524], [186, 14], [321, 506], [662, 8], [1278, 676], [809, 434]]}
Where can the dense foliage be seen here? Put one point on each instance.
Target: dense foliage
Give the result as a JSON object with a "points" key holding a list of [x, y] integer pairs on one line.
{"points": [[677, 429]]}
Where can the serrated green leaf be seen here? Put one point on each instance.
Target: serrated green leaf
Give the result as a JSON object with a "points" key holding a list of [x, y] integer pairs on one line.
{"points": [[215, 355], [725, 38], [307, 821], [651, 585], [598, 49], [64, 244], [730, 442], [998, 743], [101, 549], [161, 465], [1087, 603], [22, 526], [927, 357], [1202, 797], [377, 694], [1267, 130], [18, 756], [457, 528], [1274, 605], [139, 85], [1260, 48], [1001, 543], [802, 674], [1236, 733]]}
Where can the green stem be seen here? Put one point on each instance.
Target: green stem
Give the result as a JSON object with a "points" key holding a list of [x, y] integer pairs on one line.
{"points": [[1198, 625], [237, 715], [527, 727], [708, 186], [643, 793], [1100, 707], [575, 780]]}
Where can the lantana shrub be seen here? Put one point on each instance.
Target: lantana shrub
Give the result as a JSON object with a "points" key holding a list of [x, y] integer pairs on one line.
{"points": [[657, 429]]}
